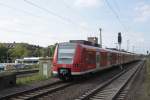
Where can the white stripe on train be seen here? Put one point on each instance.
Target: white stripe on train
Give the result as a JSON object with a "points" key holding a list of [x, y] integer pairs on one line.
{"points": [[85, 72]]}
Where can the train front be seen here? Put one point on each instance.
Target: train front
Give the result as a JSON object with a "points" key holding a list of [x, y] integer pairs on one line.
{"points": [[66, 60]]}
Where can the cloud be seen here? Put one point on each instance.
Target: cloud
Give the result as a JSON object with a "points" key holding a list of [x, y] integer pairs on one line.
{"points": [[84, 26], [142, 12], [136, 39], [8, 22], [27, 29], [88, 3]]}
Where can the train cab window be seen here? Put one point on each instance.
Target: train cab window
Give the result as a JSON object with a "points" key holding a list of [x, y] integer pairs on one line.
{"points": [[66, 53]]}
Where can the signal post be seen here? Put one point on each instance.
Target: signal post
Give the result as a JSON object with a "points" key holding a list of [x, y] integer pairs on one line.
{"points": [[119, 43]]}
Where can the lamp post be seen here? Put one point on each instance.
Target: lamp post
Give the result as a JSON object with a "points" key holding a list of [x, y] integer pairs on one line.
{"points": [[128, 44], [100, 37]]}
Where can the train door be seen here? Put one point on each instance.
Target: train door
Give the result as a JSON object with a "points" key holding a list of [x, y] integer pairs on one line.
{"points": [[97, 60], [108, 59]]}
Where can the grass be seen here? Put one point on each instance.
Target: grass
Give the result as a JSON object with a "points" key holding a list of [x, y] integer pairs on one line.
{"points": [[30, 79], [145, 95], [143, 90], [147, 80]]}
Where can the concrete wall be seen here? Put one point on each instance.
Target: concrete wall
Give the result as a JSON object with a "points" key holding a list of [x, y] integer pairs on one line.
{"points": [[7, 79], [45, 66]]}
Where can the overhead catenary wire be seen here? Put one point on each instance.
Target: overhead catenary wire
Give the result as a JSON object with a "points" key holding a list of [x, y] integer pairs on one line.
{"points": [[23, 32], [14, 30], [20, 10], [116, 5], [40, 18], [66, 19], [74, 11], [71, 8], [47, 10], [116, 15], [66, 5]]}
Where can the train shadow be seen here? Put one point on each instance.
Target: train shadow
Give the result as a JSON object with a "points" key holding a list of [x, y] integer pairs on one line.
{"points": [[98, 74]]}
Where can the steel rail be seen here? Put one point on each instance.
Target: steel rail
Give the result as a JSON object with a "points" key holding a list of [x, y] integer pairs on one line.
{"points": [[122, 93], [21, 93], [111, 88], [39, 93]]}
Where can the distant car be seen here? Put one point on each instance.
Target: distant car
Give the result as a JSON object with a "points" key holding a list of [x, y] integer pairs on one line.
{"points": [[2, 67], [19, 66]]}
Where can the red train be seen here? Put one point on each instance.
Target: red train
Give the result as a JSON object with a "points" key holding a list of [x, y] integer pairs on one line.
{"points": [[81, 57]]}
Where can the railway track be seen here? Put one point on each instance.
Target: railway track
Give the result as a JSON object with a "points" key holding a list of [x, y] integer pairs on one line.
{"points": [[37, 92], [26, 73], [102, 89], [112, 89]]}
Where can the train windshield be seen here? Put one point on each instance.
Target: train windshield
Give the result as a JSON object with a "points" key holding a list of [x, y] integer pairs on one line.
{"points": [[66, 53]]}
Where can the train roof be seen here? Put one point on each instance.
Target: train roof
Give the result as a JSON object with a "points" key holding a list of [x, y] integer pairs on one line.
{"points": [[90, 45], [105, 49]]}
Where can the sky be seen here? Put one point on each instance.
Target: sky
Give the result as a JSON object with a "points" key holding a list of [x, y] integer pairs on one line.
{"points": [[45, 22]]}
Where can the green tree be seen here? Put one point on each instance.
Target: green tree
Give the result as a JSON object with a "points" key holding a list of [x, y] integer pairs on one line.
{"points": [[51, 49], [3, 53], [19, 51], [36, 53]]}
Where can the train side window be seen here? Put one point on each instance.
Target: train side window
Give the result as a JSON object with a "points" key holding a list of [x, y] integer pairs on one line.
{"points": [[103, 57], [90, 57], [109, 56], [97, 58]]}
